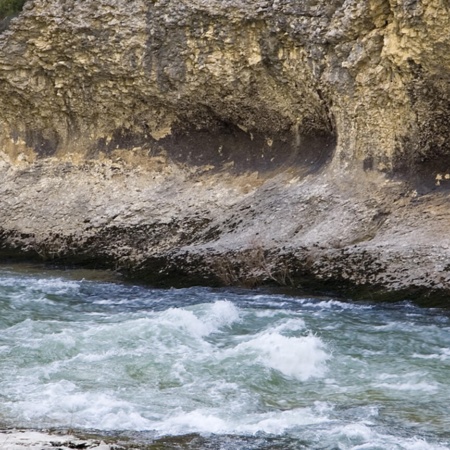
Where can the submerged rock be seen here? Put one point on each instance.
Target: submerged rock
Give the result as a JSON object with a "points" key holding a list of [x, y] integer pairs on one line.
{"points": [[230, 142]]}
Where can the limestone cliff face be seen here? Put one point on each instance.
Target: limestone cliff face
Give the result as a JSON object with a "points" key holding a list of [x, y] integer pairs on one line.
{"points": [[371, 76], [223, 123]]}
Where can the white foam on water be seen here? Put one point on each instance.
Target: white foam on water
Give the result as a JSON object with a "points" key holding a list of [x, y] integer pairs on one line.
{"points": [[289, 325], [222, 313], [412, 381], [32, 289], [207, 422], [215, 316], [443, 355], [278, 423], [420, 444], [57, 286], [394, 376], [334, 304], [100, 356], [297, 357], [371, 353], [62, 403], [356, 432], [361, 436], [207, 368], [191, 422], [420, 386]]}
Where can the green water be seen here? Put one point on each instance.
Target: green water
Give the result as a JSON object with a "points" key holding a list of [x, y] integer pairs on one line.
{"points": [[221, 369]]}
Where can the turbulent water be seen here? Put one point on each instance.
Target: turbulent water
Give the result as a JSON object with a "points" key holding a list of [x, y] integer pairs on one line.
{"points": [[220, 369]]}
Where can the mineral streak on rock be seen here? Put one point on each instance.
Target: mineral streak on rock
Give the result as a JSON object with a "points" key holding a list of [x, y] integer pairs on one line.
{"points": [[237, 142]]}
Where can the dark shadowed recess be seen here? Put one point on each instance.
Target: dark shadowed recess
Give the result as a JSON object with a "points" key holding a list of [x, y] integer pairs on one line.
{"points": [[425, 166], [44, 144], [423, 155], [228, 147]]}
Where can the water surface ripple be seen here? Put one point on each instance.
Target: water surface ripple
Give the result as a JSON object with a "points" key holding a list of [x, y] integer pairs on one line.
{"points": [[237, 369]]}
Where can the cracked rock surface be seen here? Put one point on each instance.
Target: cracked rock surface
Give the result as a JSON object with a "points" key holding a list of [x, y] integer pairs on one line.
{"points": [[231, 142]]}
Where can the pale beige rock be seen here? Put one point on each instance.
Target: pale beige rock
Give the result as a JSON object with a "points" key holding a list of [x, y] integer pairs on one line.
{"points": [[29, 439], [172, 139], [373, 73]]}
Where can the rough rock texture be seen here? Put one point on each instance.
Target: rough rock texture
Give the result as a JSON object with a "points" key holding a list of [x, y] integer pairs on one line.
{"points": [[12, 439], [234, 142]]}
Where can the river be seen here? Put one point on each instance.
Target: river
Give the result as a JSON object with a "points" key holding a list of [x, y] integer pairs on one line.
{"points": [[221, 369]]}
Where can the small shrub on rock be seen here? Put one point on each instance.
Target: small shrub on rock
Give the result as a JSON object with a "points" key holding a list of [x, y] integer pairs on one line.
{"points": [[10, 7]]}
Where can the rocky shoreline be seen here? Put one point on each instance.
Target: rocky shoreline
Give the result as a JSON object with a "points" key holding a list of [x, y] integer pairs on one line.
{"points": [[22, 439], [13, 439], [176, 226], [231, 143]]}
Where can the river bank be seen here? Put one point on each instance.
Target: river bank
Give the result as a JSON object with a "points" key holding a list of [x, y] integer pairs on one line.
{"points": [[28, 439], [234, 144], [367, 236], [14, 439]]}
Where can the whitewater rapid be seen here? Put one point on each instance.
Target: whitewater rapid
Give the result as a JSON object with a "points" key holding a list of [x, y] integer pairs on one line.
{"points": [[225, 365]]}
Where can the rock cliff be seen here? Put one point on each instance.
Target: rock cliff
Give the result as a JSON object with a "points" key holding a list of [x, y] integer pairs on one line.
{"points": [[233, 141]]}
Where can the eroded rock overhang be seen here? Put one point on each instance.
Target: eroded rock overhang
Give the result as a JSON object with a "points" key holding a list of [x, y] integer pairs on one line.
{"points": [[93, 76], [220, 81], [345, 95]]}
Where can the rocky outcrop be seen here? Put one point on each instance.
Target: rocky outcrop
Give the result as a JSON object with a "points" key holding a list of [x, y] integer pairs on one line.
{"points": [[43, 440], [232, 142]]}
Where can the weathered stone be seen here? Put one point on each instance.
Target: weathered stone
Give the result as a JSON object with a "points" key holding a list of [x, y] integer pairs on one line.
{"points": [[230, 141]]}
